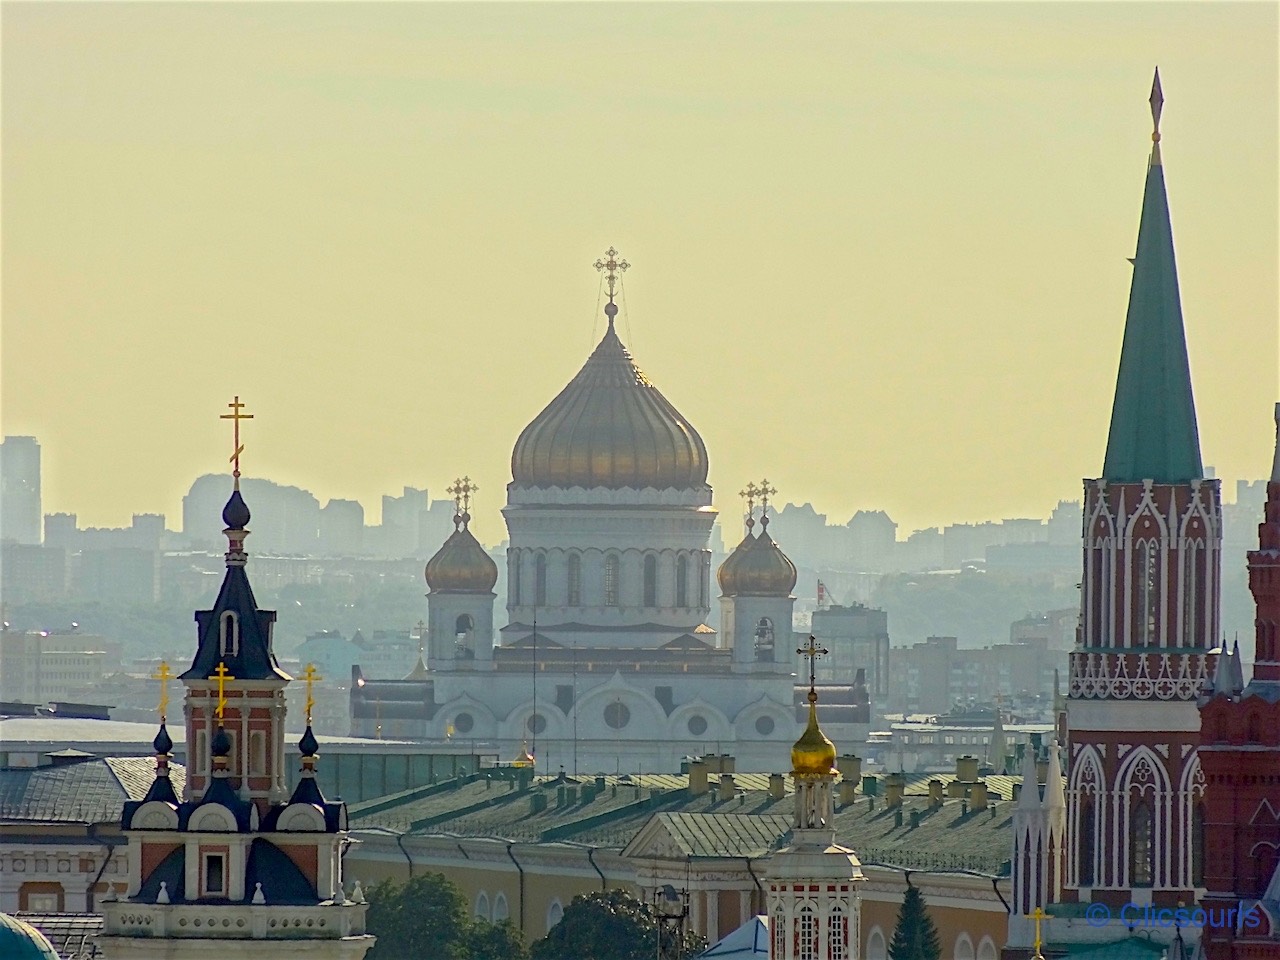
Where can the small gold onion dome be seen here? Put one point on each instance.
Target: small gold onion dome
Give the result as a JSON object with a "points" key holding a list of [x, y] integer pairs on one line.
{"points": [[760, 570], [610, 427], [813, 754], [461, 565]]}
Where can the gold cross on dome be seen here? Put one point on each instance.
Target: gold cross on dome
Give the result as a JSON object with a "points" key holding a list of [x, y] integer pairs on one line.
{"points": [[811, 651], [613, 267], [235, 416], [222, 675], [1038, 915], [749, 493], [462, 490], [310, 676], [164, 676]]}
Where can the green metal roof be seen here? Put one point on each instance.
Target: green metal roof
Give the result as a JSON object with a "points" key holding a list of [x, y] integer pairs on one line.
{"points": [[1153, 420]]}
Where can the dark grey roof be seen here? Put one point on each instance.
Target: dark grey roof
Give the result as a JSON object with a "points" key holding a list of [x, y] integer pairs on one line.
{"points": [[88, 791]]}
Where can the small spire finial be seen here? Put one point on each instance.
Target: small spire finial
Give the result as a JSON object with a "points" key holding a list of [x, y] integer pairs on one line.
{"points": [[310, 675], [749, 493], [1157, 104], [235, 416], [222, 675], [613, 268], [766, 492], [811, 651]]}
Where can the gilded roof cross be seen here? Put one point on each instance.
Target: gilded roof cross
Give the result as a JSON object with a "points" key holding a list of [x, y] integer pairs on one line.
{"points": [[766, 492], [235, 416], [311, 677], [462, 490], [749, 493], [164, 676], [1038, 915], [613, 268], [222, 675], [811, 651]]}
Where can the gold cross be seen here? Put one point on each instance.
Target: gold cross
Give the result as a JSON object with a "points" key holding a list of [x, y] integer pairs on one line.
{"points": [[766, 492], [221, 675], [310, 676], [613, 266], [235, 416], [812, 651], [164, 676], [1037, 915], [462, 490], [749, 493]]}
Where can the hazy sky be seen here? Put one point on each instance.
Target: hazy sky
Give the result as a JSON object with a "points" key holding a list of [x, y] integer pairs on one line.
{"points": [[879, 250]]}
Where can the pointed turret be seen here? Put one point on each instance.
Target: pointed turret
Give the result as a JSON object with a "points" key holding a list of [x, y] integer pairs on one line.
{"points": [[1153, 420], [1055, 797], [1029, 798]]}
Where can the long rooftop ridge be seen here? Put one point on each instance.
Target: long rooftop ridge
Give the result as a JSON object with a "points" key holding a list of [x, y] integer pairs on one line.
{"points": [[1153, 433]]}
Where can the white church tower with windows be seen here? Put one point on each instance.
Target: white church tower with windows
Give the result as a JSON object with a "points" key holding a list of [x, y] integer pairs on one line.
{"points": [[813, 882]]}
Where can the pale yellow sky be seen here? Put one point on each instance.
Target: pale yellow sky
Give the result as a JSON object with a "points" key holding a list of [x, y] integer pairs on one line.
{"points": [[879, 250]]}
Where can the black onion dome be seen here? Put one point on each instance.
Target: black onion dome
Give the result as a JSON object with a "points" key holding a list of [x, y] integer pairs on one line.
{"points": [[163, 743], [308, 746], [461, 566], [221, 745], [762, 570], [236, 513], [610, 427]]}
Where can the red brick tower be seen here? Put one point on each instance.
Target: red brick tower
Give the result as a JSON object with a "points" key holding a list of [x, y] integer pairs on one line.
{"points": [[1240, 756], [1149, 604]]}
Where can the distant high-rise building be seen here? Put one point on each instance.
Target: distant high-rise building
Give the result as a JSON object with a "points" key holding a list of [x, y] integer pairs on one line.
{"points": [[341, 528], [20, 490]]}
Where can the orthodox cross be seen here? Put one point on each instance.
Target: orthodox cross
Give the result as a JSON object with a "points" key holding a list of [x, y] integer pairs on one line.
{"points": [[612, 267], [749, 493], [164, 676], [1038, 915], [422, 635], [222, 675], [462, 490], [235, 416], [766, 492], [310, 676], [812, 652]]}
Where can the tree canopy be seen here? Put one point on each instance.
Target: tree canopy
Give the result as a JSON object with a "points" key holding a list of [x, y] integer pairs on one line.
{"points": [[428, 917], [914, 937], [607, 926]]}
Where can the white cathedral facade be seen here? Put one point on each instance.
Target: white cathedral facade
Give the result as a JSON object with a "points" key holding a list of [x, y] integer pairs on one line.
{"points": [[607, 661]]}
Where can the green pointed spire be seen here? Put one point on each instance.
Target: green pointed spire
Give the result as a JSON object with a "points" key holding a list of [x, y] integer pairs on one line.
{"points": [[1153, 420]]}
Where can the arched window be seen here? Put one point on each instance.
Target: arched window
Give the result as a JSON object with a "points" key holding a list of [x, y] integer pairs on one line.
{"points": [[229, 635], [500, 911], [704, 577], [540, 579], [764, 639], [1142, 846], [987, 949], [482, 907], [651, 581], [807, 933], [555, 913], [1189, 598], [1197, 844], [463, 628], [611, 586], [1148, 592], [1086, 845], [837, 934], [779, 938], [682, 581], [963, 948], [575, 580], [876, 949], [513, 573]]}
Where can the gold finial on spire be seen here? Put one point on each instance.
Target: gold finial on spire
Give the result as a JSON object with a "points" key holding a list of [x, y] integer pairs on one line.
{"points": [[811, 651], [222, 675], [311, 677], [235, 416], [766, 492], [1157, 104], [613, 268], [462, 490], [749, 493], [164, 676], [1038, 915]]}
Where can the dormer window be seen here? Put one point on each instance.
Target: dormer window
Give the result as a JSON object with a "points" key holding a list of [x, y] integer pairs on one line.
{"points": [[215, 875], [229, 635]]}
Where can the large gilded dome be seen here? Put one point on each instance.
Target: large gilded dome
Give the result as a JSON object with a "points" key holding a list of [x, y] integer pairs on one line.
{"points": [[610, 427]]}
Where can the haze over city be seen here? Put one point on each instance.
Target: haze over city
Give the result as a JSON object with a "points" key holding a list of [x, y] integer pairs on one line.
{"points": [[879, 251]]}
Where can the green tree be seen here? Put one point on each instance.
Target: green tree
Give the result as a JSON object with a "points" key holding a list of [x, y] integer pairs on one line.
{"points": [[915, 937], [496, 941], [607, 926], [427, 917]]}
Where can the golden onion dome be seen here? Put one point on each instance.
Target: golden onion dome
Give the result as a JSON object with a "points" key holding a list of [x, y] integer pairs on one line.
{"points": [[758, 568], [461, 565], [610, 427], [813, 755]]}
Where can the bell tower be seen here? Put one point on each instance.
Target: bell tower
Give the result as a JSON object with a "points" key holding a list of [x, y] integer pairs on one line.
{"points": [[1149, 603]]}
